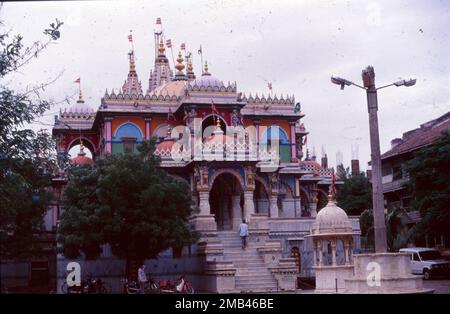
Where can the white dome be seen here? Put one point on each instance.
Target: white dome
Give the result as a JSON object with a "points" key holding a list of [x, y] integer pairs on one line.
{"points": [[332, 219], [80, 107], [207, 80]]}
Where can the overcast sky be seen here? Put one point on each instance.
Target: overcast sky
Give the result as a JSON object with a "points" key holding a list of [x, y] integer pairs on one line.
{"points": [[296, 45]]}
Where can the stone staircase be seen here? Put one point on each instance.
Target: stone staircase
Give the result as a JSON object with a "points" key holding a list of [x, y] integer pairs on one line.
{"points": [[252, 274]]}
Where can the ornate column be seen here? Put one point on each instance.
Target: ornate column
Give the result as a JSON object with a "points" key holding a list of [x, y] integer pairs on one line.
{"points": [[333, 252], [273, 206], [273, 198], [257, 123], [347, 251], [314, 252], [108, 133], [249, 204], [148, 121], [293, 142], [236, 210], [204, 203], [313, 203], [320, 252]]}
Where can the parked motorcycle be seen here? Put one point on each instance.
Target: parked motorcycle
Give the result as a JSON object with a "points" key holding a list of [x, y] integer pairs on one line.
{"points": [[179, 286]]}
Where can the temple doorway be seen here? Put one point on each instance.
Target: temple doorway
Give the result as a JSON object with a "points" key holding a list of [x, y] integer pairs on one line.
{"points": [[225, 200]]}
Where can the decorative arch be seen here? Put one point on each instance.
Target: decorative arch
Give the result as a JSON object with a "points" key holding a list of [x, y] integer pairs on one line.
{"points": [[264, 184], [86, 142], [159, 128], [288, 188], [215, 116], [305, 192], [129, 129], [235, 173], [323, 200], [284, 144], [178, 177]]}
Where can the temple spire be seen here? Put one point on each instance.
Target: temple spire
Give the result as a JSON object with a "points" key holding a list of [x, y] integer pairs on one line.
{"points": [[205, 71], [190, 69]]}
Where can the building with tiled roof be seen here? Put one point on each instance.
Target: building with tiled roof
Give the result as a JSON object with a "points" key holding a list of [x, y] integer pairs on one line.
{"points": [[394, 178]]}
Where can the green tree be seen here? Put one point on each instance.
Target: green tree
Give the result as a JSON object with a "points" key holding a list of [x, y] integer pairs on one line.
{"points": [[429, 184], [26, 157], [355, 194], [128, 202]]}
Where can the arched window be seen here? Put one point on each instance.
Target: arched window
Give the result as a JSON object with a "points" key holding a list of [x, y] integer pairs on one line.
{"points": [[127, 136], [161, 131], [274, 134]]}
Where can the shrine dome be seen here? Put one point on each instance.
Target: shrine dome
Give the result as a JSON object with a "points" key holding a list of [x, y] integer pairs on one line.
{"points": [[172, 88], [166, 144], [331, 220], [80, 106], [313, 163], [207, 79], [81, 158]]}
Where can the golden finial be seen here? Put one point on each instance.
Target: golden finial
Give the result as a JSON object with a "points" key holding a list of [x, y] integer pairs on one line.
{"points": [[218, 123], [81, 153], [180, 65], [206, 68]]}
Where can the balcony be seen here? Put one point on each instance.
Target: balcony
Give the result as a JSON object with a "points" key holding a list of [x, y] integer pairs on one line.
{"points": [[395, 185]]}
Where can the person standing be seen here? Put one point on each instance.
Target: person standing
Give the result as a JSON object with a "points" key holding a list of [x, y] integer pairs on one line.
{"points": [[243, 233], [142, 278]]}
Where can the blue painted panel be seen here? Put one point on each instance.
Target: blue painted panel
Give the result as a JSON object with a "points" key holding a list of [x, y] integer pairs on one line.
{"points": [[128, 130]]}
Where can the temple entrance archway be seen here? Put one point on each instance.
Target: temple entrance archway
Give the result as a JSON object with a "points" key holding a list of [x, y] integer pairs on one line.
{"points": [[225, 200]]}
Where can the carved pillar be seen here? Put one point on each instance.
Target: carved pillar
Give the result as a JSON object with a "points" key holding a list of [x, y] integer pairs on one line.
{"points": [[314, 252], [347, 251], [204, 203], [293, 142], [147, 127], [236, 210], [249, 205], [108, 133], [273, 206], [320, 252], [333, 252], [257, 137], [298, 206], [314, 200]]}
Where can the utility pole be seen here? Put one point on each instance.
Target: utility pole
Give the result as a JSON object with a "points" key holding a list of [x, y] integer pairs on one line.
{"points": [[368, 76]]}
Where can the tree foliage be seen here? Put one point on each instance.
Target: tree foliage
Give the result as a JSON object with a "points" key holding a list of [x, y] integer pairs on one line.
{"points": [[128, 202], [355, 194], [429, 185], [26, 156]]}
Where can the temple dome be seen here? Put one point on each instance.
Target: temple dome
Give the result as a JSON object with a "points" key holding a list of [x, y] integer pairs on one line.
{"points": [[166, 144], [332, 220], [312, 163], [81, 158], [176, 88], [207, 80]]}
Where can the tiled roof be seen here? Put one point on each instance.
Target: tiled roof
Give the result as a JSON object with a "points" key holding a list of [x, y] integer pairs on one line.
{"points": [[425, 135]]}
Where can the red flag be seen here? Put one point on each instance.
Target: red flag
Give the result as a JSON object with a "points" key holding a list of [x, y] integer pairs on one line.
{"points": [[183, 46], [200, 50], [169, 43], [170, 115], [158, 20], [213, 107], [269, 85], [77, 80]]}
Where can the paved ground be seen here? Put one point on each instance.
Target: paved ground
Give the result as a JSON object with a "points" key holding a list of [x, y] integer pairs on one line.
{"points": [[440, 286]]}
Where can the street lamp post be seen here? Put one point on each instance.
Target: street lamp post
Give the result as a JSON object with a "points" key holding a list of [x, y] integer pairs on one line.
{"points": [[368, 76]]}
